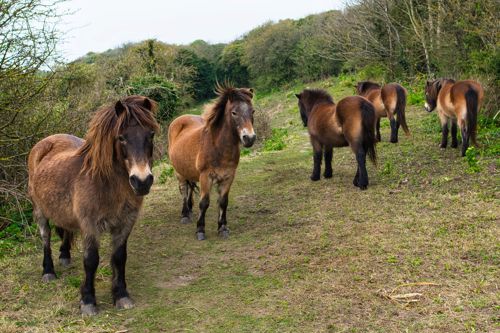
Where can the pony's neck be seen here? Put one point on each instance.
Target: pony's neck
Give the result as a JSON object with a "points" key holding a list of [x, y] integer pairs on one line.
{"points": [[226, 140]]}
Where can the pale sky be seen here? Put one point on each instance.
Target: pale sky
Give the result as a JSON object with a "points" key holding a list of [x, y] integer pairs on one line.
{"points": [[98, 25]]}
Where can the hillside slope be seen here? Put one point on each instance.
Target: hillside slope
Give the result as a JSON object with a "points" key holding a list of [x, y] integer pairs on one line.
{"points": [[417, 252]]}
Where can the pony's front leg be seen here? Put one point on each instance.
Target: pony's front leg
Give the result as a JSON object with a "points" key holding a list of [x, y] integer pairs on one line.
{"points": [[90, 262], [121, 297], [444, 131], [223, 201], [317, 156], [205, 186]]}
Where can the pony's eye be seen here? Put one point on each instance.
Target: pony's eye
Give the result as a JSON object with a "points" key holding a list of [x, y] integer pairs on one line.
{"points": [[121, 138], [152, 134], [233, 113]]}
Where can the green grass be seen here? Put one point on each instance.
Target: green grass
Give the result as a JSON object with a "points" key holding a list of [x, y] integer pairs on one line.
{"points": [[302, 256]]}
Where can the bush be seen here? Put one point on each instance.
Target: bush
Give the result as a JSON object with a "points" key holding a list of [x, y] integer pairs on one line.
{"points": [[166, 173], [159, 89], [277, 140]]}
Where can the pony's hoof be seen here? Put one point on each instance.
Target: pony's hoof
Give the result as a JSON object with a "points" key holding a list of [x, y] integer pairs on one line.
{"points": [[454, 145], [355, 182], [48, 277], [328, 174], [224, 234], [88, 309], [315, 178], [363, 187], [65, 262], [200, 236], [185, 220], [394, 140], [124, 303]]}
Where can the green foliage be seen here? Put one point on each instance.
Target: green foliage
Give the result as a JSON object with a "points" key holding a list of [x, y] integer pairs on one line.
{"points": [[277, 140], [245, 151], [166, 173], [471, 158], [159, 89], [231, 67], [489, 136], [14, 232], [203, 79], [388, 168]]}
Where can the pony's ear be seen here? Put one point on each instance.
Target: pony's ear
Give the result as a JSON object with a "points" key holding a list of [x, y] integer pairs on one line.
{"points": [[298, 96], [147, 104], [119, 108], [248, 92], [429, 82], [438, 85]]}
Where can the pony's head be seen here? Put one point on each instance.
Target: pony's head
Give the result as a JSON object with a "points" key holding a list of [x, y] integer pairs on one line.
{"points": [[234, 106], [308, 98], [432, 88], [364, 86], [122, 134]]}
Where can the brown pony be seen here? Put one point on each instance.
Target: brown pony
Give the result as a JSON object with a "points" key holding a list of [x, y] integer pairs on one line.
{"points": [[388, 101], [350, 122], [456, 102], [206, 149], [94, 185]]}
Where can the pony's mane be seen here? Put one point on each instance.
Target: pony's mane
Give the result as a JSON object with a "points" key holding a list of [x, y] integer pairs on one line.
{"points": [[368, 85], [214, 113], [317, 96], [104, 128]]}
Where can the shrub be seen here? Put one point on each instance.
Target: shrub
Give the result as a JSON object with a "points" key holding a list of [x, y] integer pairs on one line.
{"points": [[159, 89], [166, 172], [277, 140]]}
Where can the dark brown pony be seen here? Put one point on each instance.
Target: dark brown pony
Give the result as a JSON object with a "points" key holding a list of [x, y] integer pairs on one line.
{"points": [[94, 185], [456, 102], [206, 149], [389, 100], [350, 122]]}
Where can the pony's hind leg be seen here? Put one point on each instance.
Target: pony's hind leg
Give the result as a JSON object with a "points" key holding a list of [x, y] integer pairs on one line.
{"points": [[65, 249], [361, 178], [394, 128], [454, 140], [48, 265], [377, 128], [187, 201], [328, 162]]}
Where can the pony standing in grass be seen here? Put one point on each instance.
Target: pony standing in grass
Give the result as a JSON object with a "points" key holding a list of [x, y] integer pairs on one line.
{"points": [[206, 149], [389, 101], [95, 185], [456, 102], [350, 122]]}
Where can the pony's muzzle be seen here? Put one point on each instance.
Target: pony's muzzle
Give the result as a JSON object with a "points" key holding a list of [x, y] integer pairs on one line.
{"points": [[248, 140], [141, 186], [427, 107]]}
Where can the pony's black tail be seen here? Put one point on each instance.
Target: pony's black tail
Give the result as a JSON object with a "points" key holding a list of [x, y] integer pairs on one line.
{"points": [[400, 108], [471, 101], [368, 129]]}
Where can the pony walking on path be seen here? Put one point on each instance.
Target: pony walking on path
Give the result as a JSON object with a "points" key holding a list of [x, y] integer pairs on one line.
{"points": [[350, 122], [456, 102], [206, 149], [95, 185], [389, 101]]}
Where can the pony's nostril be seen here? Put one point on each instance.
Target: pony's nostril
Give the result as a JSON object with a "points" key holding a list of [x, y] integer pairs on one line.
{"points": [[134, 181], [149, 180]]}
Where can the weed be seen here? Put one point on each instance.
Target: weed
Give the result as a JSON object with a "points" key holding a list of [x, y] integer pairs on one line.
{"points": [[166, 173], [277, 140], [471, 158]]}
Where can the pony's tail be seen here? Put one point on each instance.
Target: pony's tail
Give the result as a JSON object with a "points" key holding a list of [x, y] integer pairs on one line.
{"points": [[471, 101], [400, 108], [368, 129]]}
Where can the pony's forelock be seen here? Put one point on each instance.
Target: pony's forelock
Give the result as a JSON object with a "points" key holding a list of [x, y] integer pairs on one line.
{"points": [[105, 126]]}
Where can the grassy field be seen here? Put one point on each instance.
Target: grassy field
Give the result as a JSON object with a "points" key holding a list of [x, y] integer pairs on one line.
{"points": [[417, 252]]}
